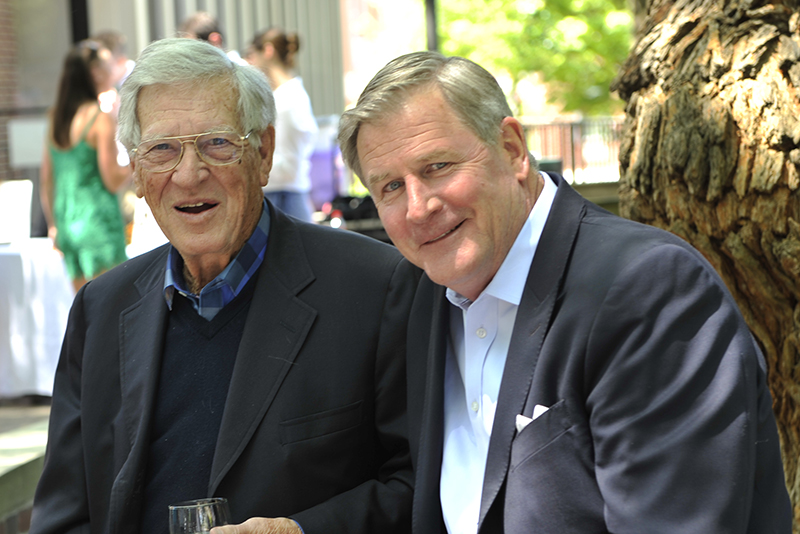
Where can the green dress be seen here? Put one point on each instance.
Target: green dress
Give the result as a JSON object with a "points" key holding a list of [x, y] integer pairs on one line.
{"points": [[87, 215]]}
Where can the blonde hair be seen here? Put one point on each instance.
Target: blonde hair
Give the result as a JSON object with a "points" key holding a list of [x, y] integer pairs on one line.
{"points": [[472, 93]]}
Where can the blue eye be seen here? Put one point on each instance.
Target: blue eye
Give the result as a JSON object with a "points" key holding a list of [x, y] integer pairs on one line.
{"points": [[438, 166], [218, 142], [392, 186], [160, 147]]}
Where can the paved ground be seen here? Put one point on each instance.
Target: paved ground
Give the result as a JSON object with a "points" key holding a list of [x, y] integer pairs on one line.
{"points": [[23, 438], [14, 416]]}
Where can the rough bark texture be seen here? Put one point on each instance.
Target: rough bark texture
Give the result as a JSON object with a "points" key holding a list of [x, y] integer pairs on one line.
{"points": [[711, 153]]}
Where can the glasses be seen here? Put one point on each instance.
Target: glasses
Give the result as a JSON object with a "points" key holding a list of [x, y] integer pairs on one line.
{"points": [[215, 148]]}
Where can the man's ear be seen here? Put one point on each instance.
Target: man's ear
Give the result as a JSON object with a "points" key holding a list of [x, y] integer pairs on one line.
{"points": [[266, 151], [515, 147], [138, 188]]}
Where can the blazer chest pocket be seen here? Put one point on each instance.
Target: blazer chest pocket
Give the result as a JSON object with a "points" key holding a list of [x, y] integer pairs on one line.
{"points": [[540, 433], [551, 482], [321, 423]]}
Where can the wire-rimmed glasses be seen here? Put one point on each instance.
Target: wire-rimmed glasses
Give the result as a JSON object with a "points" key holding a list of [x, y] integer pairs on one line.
{"points": [[215, 148]]}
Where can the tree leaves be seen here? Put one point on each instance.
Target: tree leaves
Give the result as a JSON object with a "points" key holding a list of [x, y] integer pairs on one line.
{"points": [[576, 45]]}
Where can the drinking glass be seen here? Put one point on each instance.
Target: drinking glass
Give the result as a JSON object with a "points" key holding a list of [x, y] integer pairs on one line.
{"points": [[198, 516]]}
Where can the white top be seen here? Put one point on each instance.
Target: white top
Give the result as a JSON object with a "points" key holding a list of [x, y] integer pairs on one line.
{"points": [[234, 56], [480, 334], [295, 133]]}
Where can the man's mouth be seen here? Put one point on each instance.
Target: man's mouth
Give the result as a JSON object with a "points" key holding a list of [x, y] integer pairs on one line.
{"points": [[447, 233], [195, 208]]}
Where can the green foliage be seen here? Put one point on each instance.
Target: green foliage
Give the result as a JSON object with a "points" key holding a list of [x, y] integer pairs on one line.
{"points": [[576, 45]]}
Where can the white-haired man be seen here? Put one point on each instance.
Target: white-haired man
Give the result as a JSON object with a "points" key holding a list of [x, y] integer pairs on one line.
{"points": [[254, 357]]}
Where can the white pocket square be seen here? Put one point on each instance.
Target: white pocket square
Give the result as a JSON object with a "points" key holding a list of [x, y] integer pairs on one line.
{"points": [[523, 421]]}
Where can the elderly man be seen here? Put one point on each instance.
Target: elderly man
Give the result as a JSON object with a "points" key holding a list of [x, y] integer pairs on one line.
{"points": [[254, 357], [569, 371]]}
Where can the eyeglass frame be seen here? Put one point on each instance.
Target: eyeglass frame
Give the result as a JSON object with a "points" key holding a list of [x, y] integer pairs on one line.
{"points": [[242, 139]]}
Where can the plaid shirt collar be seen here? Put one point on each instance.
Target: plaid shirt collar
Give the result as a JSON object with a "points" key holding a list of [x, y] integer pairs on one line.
{"points": [[229, 283]]}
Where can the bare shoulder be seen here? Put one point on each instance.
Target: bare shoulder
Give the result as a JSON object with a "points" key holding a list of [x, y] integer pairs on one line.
{"points": [[104, 127]]}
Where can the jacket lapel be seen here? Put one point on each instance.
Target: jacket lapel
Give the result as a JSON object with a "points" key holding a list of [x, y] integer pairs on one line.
{"points": [[275, 330], [141, 333], [533, 320], [427, 512]]}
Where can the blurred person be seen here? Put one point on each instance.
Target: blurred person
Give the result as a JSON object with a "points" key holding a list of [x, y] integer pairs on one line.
{"points": [[569, 371], [254, 357], [121, 67], [205, 27], [80, 174], [289, 187], [117, 43]]}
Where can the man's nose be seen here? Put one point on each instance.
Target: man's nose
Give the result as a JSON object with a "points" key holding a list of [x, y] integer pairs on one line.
{"points": [[422, 200], [187, 169]]}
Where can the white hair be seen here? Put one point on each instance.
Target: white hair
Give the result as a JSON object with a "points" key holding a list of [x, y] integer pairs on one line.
{"points": [[176, 61]]}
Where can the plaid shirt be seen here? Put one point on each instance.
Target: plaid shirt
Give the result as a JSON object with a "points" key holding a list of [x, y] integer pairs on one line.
{"points": [[224, 288]]}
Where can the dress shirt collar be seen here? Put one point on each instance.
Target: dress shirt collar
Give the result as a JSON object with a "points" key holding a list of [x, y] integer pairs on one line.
{"points": [[229, 283], [509, 281]]}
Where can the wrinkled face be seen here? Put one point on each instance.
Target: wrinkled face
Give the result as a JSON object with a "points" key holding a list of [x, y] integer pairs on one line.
{"points": [[451, 204], [207, 212]]}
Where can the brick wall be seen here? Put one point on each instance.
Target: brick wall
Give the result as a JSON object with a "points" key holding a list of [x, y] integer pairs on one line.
{"points": [[8, 81], [17, 523]]}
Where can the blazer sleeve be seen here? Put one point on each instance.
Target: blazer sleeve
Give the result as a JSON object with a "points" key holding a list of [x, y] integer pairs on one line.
{"points": [[61, 502], [382, 504], [678, 406]]}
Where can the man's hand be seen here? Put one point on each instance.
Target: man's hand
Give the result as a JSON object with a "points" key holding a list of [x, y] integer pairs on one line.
{"points": [[261, 525]]}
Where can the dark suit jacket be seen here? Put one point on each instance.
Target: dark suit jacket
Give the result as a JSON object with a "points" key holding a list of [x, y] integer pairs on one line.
{"points": [[660, 419], [314, 424]]}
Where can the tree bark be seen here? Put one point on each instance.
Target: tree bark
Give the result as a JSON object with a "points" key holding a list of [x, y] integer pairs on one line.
{"points": [[710, 153]]}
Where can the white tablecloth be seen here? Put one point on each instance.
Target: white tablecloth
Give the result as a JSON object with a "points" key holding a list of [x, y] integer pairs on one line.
{"points": [[35, 298]]}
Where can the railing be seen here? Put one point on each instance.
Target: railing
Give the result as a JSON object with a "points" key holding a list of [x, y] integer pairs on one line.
{"points": [[588, 150]]}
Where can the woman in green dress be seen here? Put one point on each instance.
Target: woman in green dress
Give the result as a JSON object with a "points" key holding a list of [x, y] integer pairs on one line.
{"points": [[80, 174]]}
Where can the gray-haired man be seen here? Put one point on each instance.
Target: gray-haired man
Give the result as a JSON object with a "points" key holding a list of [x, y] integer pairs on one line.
{"points": [[254, 357]]}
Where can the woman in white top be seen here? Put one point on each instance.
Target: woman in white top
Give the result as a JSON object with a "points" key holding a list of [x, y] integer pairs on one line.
{"points": [[289, 187]]}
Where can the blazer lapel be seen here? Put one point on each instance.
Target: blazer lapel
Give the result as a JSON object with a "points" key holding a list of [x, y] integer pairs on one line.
{"points": [[533, 320], [276, 328], [427, 512], [141, 333]]}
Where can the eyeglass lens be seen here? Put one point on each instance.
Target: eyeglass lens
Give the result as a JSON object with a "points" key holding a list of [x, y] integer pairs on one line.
{"points": [[219, 148]]}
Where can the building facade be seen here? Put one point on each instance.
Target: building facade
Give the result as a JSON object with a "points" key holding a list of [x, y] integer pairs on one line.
{"points": [[35, 35]]}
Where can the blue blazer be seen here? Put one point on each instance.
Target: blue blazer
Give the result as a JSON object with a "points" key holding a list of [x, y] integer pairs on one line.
{"points": [[660, 418], [314, 424]]}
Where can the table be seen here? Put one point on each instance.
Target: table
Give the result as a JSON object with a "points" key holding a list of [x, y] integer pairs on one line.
{"points": [[35, 298]]}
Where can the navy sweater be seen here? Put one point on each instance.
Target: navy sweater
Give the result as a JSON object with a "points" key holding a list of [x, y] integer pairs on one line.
{"points": [[196, 369]]}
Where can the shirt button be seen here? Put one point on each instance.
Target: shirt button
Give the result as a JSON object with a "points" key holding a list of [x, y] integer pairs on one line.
{"points": [[475, 406], [481, 332]]}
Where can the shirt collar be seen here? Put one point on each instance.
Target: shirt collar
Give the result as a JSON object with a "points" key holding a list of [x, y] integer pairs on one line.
{"points": [[509, 280], [231, 280]]}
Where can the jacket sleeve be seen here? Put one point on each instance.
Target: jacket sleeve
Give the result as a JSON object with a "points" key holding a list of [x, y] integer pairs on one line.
{"points": [[61, 501], [678, 406]]}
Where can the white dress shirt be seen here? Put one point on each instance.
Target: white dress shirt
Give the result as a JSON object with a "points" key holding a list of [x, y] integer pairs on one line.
{"points": [[480, 334]]}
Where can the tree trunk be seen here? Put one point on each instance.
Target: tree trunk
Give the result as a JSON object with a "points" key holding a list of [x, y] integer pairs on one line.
{"points": [[710, 153]]}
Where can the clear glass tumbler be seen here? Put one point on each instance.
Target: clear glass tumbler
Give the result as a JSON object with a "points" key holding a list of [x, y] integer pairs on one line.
{"points": [[198, 516]]}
